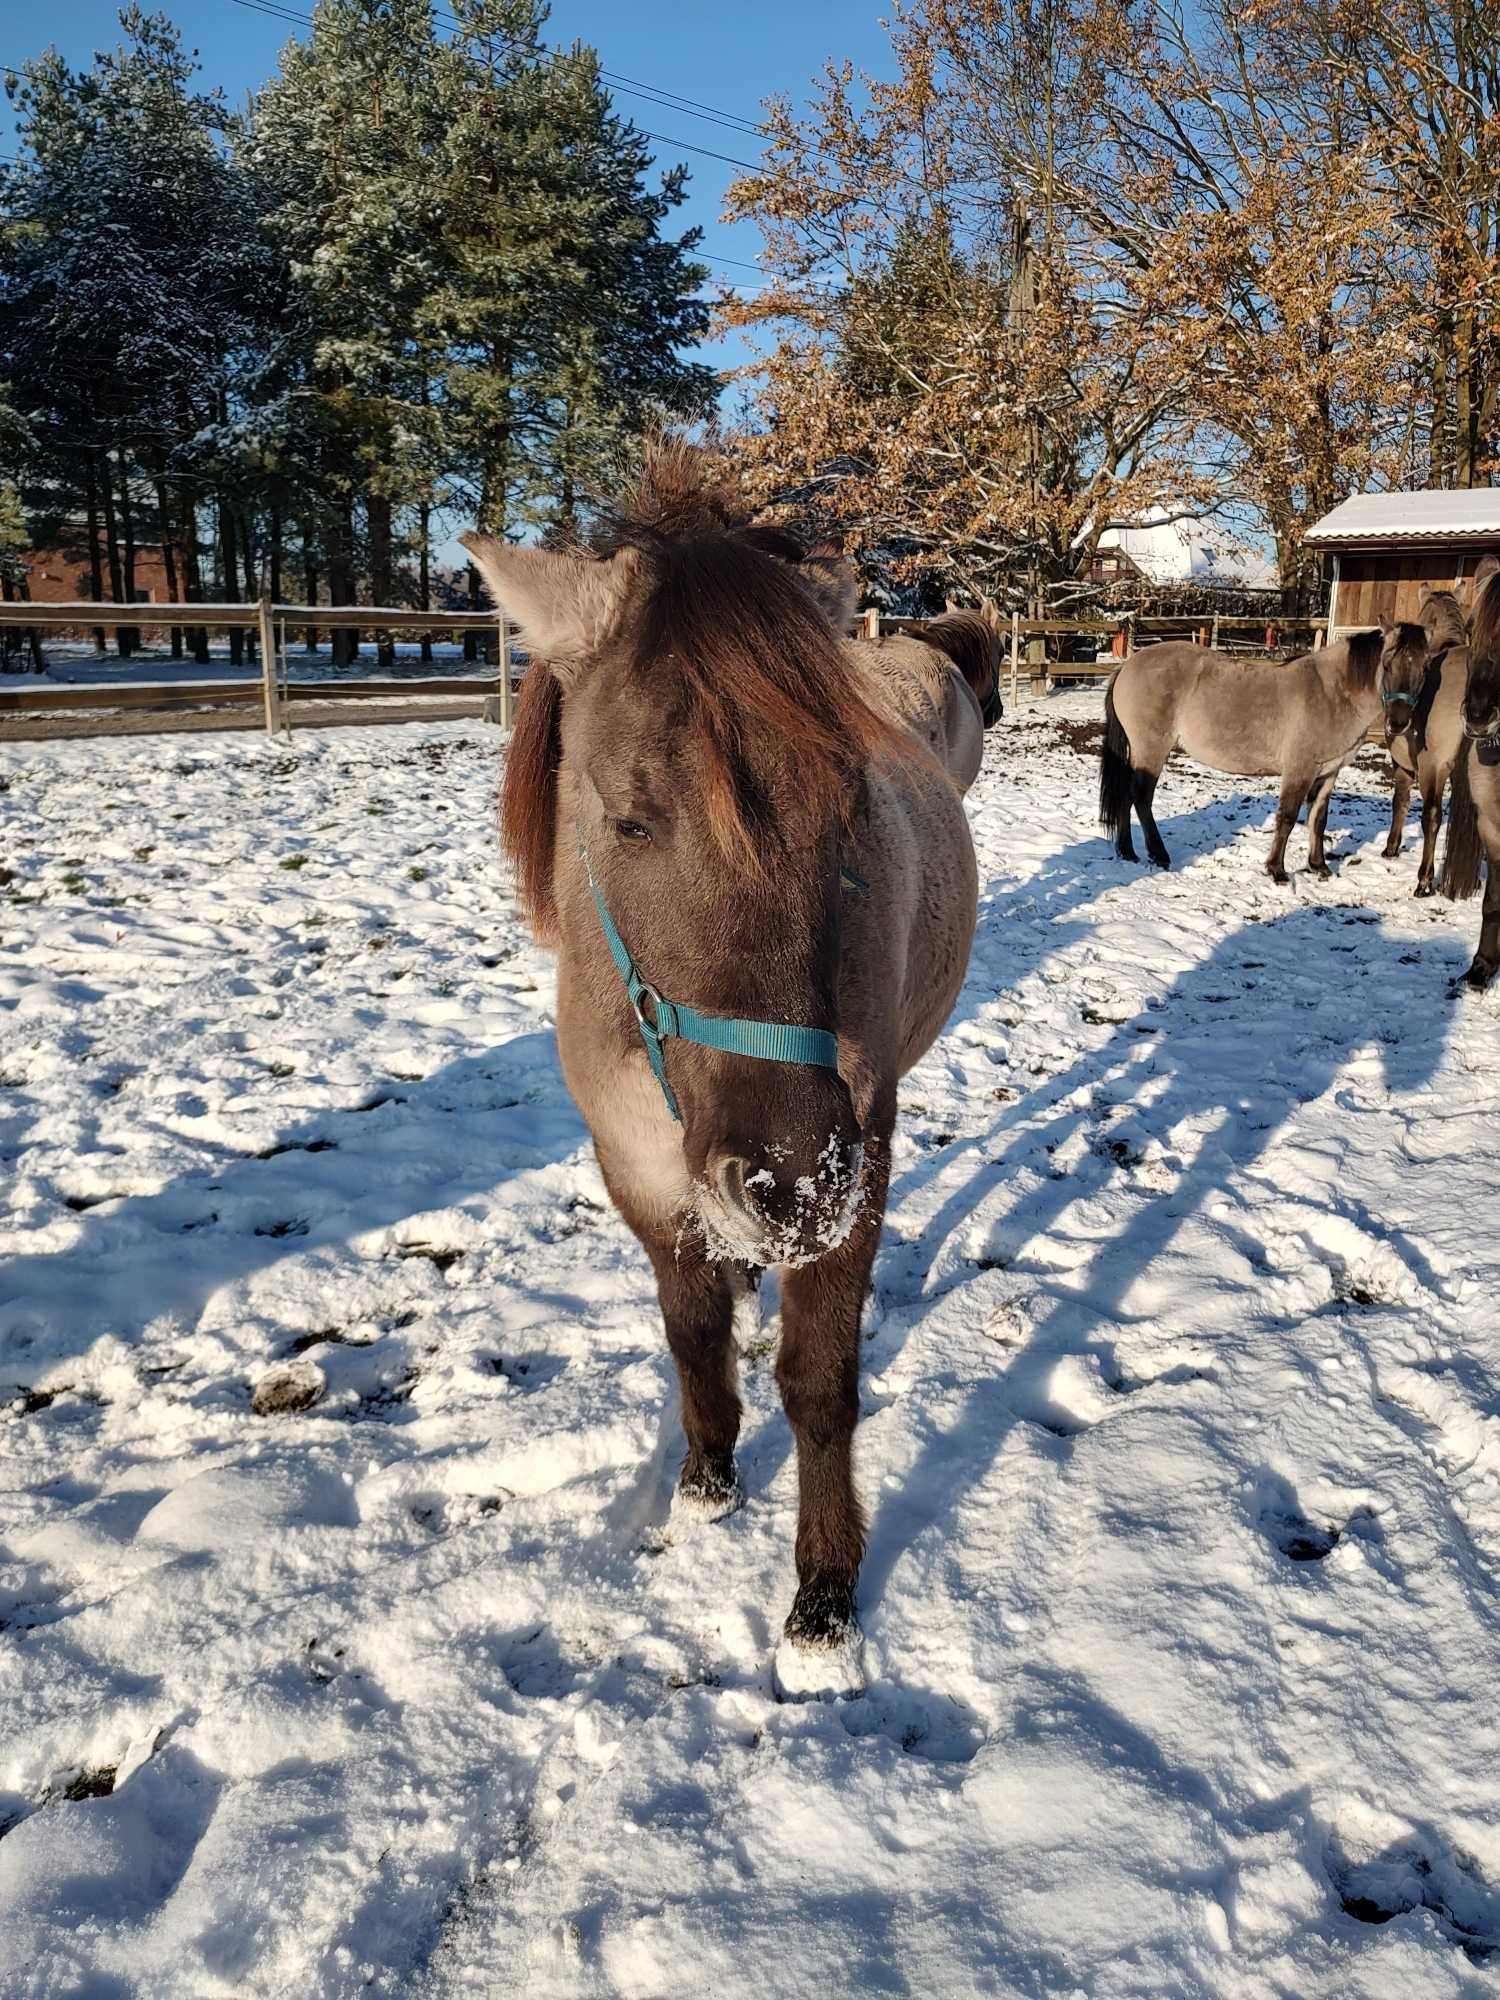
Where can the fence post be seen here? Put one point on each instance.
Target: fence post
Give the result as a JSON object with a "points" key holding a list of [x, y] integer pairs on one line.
{"points": [[268, 663], [1015, 658], [1214, 635], [1129, 633]]}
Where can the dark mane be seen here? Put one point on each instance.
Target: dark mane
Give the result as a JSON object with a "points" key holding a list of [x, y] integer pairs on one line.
{"points": [[528, 796], [1484, 624], [971, 643], [720, 622], [1368, 649]]}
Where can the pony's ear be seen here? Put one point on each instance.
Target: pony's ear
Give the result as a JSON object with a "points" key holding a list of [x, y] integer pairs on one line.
{"points": [[563, 604], [833, 583], [1489, 565]]}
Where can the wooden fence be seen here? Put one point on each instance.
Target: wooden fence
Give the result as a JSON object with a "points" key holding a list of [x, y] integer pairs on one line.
{"points": [[1121, 634], [275, 692]]}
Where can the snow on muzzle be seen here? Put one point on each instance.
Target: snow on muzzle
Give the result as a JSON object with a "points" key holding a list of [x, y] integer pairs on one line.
{"points": [[758, 1205]]}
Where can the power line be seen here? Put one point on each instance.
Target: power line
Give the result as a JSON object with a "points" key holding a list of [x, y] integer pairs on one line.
{"points": [[652, 93]]}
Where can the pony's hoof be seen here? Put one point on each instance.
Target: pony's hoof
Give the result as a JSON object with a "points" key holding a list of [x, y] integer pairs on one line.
{"points": [[707, 1493], [1389, 853], [819, 1657], [1160, 857], [1477, 977], [1278, 875], [1424, 889], [1323, 872]]}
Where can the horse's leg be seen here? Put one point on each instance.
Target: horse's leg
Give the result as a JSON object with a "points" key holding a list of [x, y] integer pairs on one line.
{"points": [[1487, 957], [1293, 791], [1318, 801], [818, 1370], [697, 1299], [1143, 785], [1400, 804], [1434, 781]]}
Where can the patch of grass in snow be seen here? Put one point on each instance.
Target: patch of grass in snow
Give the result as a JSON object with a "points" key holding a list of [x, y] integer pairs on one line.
{"points": [[293, 861]]}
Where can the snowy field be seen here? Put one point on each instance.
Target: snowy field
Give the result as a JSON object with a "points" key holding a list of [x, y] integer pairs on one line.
{"points": [[343, 1645]]}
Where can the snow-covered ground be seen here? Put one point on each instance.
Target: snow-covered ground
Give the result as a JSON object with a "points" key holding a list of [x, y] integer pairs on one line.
{"points": [[1181, 1441]]}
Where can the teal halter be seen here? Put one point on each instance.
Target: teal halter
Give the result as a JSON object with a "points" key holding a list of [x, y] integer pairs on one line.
{"points": [[768, 1041]]}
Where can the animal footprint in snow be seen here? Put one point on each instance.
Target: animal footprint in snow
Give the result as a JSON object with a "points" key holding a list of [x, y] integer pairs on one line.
{"points": [[1064, 1394], [1381, 1868]]}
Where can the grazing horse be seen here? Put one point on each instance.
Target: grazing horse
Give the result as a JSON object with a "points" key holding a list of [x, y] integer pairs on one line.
{"points": [[1426, 748], [1474, 812], [941, 678], [762, 892], [1256, 718]]}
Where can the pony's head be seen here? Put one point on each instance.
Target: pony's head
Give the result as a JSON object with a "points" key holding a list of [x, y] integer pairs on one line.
{"points": [[1392, 661], [973, 643], [1482, 697], [687, 728]]}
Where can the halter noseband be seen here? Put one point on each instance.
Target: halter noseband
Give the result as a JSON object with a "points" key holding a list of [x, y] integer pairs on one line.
{"points": [[767, 1041]]}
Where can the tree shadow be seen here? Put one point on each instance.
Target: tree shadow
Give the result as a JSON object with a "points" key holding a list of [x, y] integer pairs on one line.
{"points": [[1185, 1096]]}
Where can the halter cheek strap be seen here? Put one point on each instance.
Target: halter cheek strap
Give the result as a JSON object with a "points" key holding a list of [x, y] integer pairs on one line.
{"points": [[660, 1020]]}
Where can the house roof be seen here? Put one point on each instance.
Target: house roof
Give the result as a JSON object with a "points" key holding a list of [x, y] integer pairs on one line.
{"points": [[1191, 551], [1397, 520]]}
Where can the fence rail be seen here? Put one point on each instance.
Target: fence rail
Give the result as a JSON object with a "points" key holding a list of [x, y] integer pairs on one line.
{"points": [[275, 688], [280, 694]]}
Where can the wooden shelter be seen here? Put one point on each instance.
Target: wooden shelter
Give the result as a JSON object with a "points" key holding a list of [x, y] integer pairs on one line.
{"points": [[1384, 547]]}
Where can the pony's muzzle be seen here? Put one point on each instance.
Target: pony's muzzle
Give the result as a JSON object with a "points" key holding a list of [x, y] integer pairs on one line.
{"points": [[762, 1205]]}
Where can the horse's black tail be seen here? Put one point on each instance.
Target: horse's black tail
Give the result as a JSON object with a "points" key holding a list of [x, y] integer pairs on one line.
{"points": [[1462, 851], [1116, 778]]}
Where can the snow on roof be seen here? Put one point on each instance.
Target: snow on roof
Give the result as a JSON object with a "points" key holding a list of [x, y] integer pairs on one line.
{"points": [[1191, 551], [1470, 515]]}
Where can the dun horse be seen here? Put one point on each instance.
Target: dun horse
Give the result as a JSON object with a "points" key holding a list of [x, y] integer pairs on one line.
{"points": [[1427, 747], [762, 892], [1299, 722], [1474, 812]]}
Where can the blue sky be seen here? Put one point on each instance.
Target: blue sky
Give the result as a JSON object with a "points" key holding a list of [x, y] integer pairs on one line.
{"points": [[731, 58]]}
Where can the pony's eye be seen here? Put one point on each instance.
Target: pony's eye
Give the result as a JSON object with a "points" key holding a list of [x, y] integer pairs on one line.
{"points": [[631, 829]]}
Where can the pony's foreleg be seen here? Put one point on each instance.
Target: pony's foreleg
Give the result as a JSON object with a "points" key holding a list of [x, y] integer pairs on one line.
{"points": [[1400, 804], [1293, 792], [1434, 782], [1487, 957], [697, 1306], [818, 1370], [1318, 801]]}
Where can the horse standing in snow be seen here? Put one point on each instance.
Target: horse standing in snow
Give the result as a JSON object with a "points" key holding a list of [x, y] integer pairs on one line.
{"points": [[743, 841], [1474, 812], [1301, 722], [1426, 749]]}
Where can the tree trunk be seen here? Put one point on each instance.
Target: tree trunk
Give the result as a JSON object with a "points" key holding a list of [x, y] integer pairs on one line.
{"points": [[424, 573], [274, 584], [131, 640], [231, 579], [309, 582], [252, 579], [197, 636], [96, 553], [378, 518], [112, 552], [344, 645], [168, 552]]}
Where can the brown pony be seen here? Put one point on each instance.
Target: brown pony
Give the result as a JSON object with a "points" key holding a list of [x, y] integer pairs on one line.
{"points": [[1301, 722], [1426, 748], [714, 822], [1474, 814], [941, 678]]}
